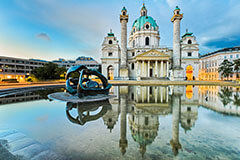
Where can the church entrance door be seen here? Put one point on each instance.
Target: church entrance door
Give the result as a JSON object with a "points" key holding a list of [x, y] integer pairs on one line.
{"points": [[151, 72], [189, 73]]}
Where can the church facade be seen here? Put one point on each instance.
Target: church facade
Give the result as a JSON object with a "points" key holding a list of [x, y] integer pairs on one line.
{"points": [[142, 58]]}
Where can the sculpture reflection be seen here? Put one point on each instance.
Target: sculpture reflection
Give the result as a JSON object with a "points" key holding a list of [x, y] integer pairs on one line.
{"points": [[84, 111]]}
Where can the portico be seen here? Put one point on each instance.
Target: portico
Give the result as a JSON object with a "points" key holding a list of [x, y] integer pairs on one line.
{"points": [[152, 64]]}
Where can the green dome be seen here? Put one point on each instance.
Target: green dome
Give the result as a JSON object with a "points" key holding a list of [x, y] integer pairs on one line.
{"points": [[139, 23]]}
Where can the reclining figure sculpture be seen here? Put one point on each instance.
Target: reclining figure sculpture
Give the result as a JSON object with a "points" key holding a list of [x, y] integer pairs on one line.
{"points": [[83, 85]]}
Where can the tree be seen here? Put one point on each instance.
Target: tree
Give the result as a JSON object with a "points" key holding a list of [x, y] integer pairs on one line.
{"points": [[49, 71], [237, 66], [225, 95], [226, 68], [236, 100]]}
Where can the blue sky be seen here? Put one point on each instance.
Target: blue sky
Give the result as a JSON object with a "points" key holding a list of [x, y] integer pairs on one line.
{"points": [[52, 29]]}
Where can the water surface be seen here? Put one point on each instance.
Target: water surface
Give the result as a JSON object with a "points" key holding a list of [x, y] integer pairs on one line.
{"points": [[142, 122]]}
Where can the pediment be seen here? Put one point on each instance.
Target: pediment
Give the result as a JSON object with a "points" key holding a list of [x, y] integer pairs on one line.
{"points": [[153, 53], [188, 47], [110, 48]]}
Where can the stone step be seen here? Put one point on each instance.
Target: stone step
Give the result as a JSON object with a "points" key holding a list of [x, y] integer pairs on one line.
{"points": [[14, 137], [19, 144], [30, 151], [6, 132]]}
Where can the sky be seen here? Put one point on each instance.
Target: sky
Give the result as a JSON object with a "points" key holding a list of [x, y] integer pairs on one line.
{"points": [[52, 29]]}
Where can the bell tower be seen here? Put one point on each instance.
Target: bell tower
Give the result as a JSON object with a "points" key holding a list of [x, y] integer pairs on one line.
{"points": [[177, 69], [124, 73]]}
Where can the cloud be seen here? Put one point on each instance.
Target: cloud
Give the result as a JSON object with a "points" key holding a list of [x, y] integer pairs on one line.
{"points": [[230, 41], [43, 36], [172, 3]]}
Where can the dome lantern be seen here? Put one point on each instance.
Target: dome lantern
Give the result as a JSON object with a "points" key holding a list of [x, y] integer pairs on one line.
{"points": [[143, 10]]}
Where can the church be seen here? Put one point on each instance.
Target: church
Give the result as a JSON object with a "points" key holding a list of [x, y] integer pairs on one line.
{"points": [[140, 56]]}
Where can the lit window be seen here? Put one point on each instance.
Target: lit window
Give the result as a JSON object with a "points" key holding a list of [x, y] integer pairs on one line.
{"points": [[110, 54]]}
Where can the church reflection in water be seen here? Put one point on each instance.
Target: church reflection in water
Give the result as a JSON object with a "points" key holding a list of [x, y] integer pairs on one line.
{"points": [[141, 106]]}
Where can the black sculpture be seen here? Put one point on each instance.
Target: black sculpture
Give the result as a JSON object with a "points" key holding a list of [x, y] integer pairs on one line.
{"points": [[83, 85], [84, 111]]}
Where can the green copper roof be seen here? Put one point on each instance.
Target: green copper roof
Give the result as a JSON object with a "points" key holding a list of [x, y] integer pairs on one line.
{"points": [[139, 23], [187, 34], [110, 34], [143, 7], [177, 8], [124, 9]]}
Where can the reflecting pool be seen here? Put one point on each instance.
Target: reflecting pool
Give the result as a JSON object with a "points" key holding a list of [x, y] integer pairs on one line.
{"points": [[141, 122]]}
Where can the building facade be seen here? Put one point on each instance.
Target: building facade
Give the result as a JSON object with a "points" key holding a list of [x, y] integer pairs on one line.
{"points": [[209, 63], [143, 58], [19, 69]]}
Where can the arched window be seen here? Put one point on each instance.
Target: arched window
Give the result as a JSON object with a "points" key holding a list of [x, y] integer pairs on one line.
{"points": [[124, 13], [147, 41], [189, 41], [143, 13], [110, 42], [147, 26], [132, 66], [133, 43]]}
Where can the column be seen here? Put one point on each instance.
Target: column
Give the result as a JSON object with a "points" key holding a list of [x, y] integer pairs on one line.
{"points": [[148, 69], [167, 68], [161, 72], [156, 68], [148, 94], [123, 143], [161, 95], [156, 94], [142, 75], [137, 69]]}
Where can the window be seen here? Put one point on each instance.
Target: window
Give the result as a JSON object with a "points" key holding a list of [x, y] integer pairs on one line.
{"points": [[189, 41], [144, 13], [124, 13], [189, 54], [231, 56], [110, 42], [225, 57], [147, 26], [132, 66], [147, 41], [110, 54], [237, 56], [133, 43], [189, 109], [177, 12], [133, 54], [132, 96], [146, 121]]}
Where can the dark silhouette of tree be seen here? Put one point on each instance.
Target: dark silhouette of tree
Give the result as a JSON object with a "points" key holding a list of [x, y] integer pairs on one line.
{"points": [[225, 96], [226, 68], [236, 100], [49, 71], [237, 66]]}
